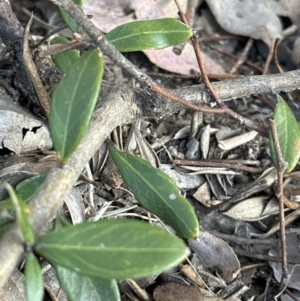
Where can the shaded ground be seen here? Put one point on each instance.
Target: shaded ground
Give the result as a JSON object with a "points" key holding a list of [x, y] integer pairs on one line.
{"points": [[237, 257]]}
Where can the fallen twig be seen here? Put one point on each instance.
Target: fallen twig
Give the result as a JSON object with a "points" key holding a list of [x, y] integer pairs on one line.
{"points": [[280, 169]]}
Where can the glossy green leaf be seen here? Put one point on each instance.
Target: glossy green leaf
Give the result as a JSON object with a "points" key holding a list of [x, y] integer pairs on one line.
{"points": [[64, 59], [73, 102], [34, 285], [25, 190], [150, 34], [22, 210], [79, 287], [157, 192], [113, 249], [288, 135], [70, 22]]}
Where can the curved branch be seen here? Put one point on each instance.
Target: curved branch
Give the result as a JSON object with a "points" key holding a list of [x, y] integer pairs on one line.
{"points": [[120, 106], [115, 109]]}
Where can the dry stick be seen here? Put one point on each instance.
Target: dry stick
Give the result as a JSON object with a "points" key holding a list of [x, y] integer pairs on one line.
{"points": [[190, 11], [108, 49], [44, 51], [247, 122], [180, 100], [276, 57], [243, 56], [39, 88], [249, 63], [268, 60], [250, 254], [113, 110], [281, 167], [292, 295], [117, 108], [211, 163]]}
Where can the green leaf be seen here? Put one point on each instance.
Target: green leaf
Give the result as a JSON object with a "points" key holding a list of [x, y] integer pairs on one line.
{"points": [[73, 102], [157, 192], [34, 286], [150, 34], [25, 190], [22, 210], [64, 59], [113, 249], [81, 288], [288, 135], [70, 22]]}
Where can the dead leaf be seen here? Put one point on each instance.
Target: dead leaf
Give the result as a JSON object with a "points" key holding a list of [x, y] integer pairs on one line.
{"points": [[189, 272], [109, 14], [75, 205], [292, 245], [14, 288], [20, 131], [248, 210], [255, 18], [184, 63], [51, 283], [202, 195], [214, 253], [16, 169], [180, 292], [293, 9], [183, 180], [169, 9]]}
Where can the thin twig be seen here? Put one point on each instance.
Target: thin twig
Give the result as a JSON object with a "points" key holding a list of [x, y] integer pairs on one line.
{"points": [[187, 104], [276, 56], [39, 88], [190, 11], [249, 123], [268, 60], [280, 169], [108, 49], [250, 254], [211, 163], [229, 54], [242, 58]]}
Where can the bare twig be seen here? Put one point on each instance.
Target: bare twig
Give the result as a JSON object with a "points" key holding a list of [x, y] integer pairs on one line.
{"points": [[219, 163], [109, 50], [277, 41], [243, 56], [249, 123], [44, 51], [114, 109], [280, 169], [269, 58], [229, 54], [119, 106], [39, 88], [189, 14]]}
